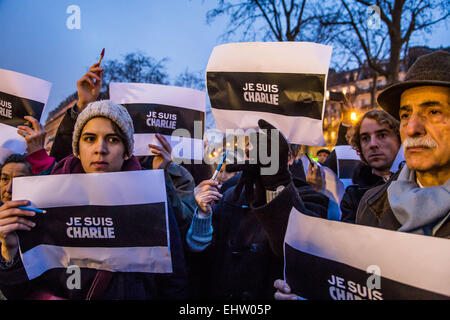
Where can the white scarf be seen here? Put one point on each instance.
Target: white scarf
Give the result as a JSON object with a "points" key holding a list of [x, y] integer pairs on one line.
{"points": [[419, 210]]}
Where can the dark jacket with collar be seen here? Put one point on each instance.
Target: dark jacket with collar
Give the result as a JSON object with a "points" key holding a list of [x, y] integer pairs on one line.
{"points": [[375, 211], [240, 264], [365, 180]]}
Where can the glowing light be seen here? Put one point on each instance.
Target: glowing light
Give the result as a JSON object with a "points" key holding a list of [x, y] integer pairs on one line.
{"points": [[344, 91], [353, 116]]}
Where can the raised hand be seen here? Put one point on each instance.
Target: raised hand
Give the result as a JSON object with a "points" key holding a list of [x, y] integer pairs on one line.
{"points": [[35, 136], [314, 177], [89, 86], [163, 154]]}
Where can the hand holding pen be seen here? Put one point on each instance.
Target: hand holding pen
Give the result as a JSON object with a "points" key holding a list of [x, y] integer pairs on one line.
{"points": [[88, 87], [207, 192], [217, 171], [13, 219], [314, 175]]}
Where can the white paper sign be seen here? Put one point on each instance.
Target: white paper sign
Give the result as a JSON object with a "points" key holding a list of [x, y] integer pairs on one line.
{"points": [[280, 82], [163, 109], [330, 260], [20, 95], [106, 221]]}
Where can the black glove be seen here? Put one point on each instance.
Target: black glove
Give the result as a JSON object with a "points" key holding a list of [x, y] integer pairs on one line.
{"points": [[254, 171]]}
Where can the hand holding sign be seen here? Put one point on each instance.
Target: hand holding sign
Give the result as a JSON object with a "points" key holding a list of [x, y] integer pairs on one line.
{"points": [[11, 220], [283, 291], [163, 154], [89, 86], [314, 177], [35, 136]]}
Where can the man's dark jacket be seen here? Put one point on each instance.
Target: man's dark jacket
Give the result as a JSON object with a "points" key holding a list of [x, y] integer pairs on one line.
{"points": [[365, 180], [375, 211]]}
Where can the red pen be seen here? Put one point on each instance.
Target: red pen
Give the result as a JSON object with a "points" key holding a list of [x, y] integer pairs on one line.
{"points": [[101, 56]]}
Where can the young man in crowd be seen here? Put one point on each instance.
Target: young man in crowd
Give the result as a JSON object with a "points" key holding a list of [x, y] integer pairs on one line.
{"points": [[376, 138], [322, 155]]}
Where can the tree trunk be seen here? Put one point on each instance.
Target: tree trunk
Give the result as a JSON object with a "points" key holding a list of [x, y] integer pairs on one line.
{"points": [[394, 61], [373, 92]]}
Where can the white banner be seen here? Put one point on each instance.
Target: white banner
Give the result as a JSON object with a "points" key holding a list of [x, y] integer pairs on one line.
{"points": [[336, 260], [283, 83], [20, 95], [163, 109], [106, 221], [10, 141]]}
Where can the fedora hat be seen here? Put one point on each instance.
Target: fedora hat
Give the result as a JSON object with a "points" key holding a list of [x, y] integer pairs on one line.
{"points": [[429, 70]]}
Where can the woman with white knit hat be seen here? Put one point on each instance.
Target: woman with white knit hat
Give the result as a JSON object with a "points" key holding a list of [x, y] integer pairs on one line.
{"points": [[102, 142]]}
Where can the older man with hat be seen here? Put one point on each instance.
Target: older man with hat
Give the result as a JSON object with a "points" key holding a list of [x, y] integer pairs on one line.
{"points": [[418, 200]]}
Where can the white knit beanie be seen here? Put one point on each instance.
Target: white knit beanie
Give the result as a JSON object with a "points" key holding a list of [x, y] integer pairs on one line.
{"points": [[106, 109]]}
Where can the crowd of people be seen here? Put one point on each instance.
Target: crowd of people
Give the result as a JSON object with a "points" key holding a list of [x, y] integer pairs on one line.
{"points": [[227, 234]]}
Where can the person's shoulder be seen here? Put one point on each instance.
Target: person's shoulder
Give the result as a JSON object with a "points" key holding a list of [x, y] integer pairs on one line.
{"points": [[374, 192], [175, 169], [228, 197]]}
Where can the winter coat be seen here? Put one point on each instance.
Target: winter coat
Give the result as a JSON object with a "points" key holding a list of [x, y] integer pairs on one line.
{"points": [[180, 192], [375, 211], [240, 264], [365, 180]]}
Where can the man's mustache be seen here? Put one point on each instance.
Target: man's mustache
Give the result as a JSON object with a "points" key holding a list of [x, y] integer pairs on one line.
{"points": [[420, 142]]}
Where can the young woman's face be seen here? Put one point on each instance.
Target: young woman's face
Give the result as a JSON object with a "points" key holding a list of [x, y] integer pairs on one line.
{"points": [[100, 147]]}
